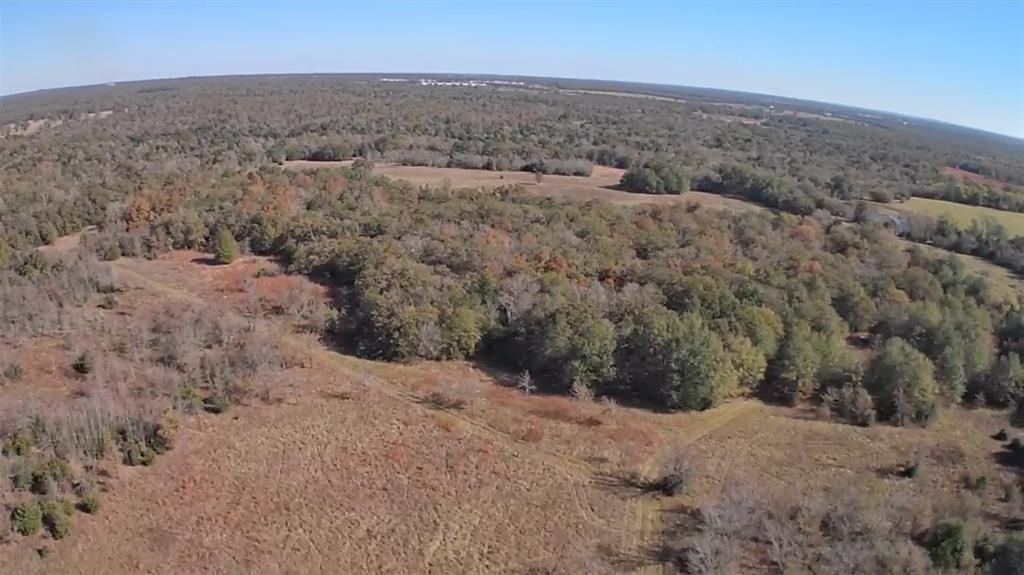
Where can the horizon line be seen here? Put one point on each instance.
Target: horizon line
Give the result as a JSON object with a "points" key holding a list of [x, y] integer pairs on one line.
{"points": [[1018, 139]]}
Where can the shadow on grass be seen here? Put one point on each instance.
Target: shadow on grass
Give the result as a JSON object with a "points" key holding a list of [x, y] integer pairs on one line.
{"points": [[206, 261], [633, 485]]}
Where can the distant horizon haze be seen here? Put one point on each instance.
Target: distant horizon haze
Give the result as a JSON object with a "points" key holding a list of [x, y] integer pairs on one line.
{"points": [[960, 63]]}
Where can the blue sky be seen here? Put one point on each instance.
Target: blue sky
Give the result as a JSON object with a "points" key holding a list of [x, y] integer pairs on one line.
{"points": [[961, 62]]}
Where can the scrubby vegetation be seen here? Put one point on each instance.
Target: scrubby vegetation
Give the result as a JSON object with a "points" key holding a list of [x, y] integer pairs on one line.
{"points": [[663, 305], [138, 377], [667, 307]]}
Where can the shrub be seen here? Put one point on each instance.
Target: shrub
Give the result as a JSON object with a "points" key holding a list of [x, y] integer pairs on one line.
{"points": [[676, 476], [22, 474], [137, 453], [458, 395], [84, 363], [57, 469], [27, 518], [42, 484], [89, 503], [950, 546], [226, 248], [13, 370], [18, 443], [217, 403], [580, 391], [909, 470], [56, 518], [851, 402], [1008, 558], [979, 483], [1000, 435]]}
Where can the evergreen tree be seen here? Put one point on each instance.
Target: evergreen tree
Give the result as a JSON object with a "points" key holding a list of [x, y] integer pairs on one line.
{"points": [[796, 366], [902, 381], [672, 360], [226, 248]]}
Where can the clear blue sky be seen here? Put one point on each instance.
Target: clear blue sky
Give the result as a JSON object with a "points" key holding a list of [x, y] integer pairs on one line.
{"points": [[961, 62]]}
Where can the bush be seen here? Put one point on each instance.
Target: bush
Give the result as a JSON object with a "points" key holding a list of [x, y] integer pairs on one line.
{"points": [[27, 518], [909, 470], [851, 402], [22, 473], [979, 483], [950, 546], [137, 453], [18, 443], [218, 403], [84, 363], [676, 476], [89, 503], [56, 518], [1008, 558], [226, 248], [455, 395], [12, 371]]}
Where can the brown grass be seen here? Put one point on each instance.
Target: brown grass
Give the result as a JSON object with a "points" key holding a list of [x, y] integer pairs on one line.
{"points": [[350, 471], [976, 178]]}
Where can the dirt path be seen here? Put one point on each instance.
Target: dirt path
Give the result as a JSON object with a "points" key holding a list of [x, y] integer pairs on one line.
{"points": [[646, 512]]}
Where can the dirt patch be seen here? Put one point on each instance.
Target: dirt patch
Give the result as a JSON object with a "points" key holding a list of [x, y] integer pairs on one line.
{"points": [[64, 244]]}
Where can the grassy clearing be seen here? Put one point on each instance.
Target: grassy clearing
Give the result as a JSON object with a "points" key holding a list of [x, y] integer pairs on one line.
{"points": [[388, 481], [964, 214], [600, 185]]}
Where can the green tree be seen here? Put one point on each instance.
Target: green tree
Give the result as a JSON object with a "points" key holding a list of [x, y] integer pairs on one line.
{"points": [[795, 369], [1005, 381], [591, 359], [641, 180], [902, 381], [460, 332], [674, 361], [225, 246]]}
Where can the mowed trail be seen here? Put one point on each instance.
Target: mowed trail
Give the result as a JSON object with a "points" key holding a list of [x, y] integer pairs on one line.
{"points": [[646, 512]]}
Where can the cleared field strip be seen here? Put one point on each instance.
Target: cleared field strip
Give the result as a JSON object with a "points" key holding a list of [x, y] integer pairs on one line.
{"points": [[600, 185], [962, 214]]}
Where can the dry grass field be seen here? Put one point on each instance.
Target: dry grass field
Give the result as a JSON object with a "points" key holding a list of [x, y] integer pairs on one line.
{"points": [[600, 185], [976, 178], [962, 214], [343, 465]]}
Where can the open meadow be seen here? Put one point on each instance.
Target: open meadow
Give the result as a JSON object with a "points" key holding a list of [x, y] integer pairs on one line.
{"points": [[963, 214], [339, 464], [600, 185]]}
